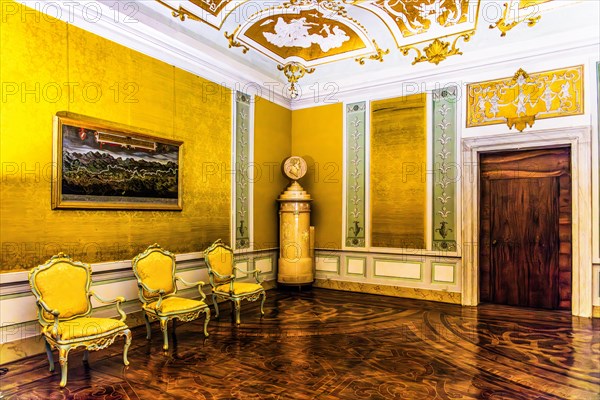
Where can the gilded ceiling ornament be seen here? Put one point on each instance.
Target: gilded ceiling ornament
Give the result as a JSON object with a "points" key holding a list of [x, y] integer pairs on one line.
{"points": [[180, 12], [234, 43], [504, 25], [308, 34], [438, 50], [378, 56], [294, 71], [334, 7]]}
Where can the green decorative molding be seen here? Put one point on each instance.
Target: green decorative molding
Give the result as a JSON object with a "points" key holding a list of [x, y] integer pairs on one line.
{"points": [[337, 261], [598, 115], [242, 162], [446, 169], [433, 277], [269, 257], [395, 277], [364, 266], [355, 174]]}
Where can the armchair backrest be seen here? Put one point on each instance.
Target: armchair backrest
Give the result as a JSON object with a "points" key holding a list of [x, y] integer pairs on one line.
{"points": [[219, 259], [64, 285], [155, 268]]}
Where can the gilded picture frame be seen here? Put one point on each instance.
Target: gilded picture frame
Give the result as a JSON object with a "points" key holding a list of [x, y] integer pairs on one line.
{"points": [[99, 164]]}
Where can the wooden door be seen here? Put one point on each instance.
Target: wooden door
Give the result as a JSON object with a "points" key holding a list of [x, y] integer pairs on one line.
{"points": [[525, 228]]}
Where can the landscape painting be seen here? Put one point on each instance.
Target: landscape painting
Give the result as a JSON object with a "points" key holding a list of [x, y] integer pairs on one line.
{"points": [[103, 165]]}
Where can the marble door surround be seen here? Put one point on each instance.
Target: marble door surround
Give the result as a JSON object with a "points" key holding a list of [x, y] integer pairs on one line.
{"points": [[579, 138]]}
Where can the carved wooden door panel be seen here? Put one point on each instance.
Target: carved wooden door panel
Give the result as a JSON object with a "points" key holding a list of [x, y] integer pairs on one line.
{"points": [[525, 231]]}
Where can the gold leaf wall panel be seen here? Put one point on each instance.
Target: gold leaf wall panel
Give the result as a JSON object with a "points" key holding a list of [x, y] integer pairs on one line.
{"points": [[398, 171], [272, 145], [318, 137], [547, 94], [111, 82]]}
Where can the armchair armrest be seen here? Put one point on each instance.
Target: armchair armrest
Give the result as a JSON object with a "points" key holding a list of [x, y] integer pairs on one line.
{"points": [[55, 314], [254, 272], [199, 284], [160, 293], [223, 276], [117, 301]]}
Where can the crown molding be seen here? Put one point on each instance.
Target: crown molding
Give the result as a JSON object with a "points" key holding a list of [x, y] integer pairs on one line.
{"points": [[362, 86], [169, 43]]}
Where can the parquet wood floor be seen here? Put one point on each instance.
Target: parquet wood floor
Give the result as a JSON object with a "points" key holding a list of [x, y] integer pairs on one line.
{"points": [[325, 344]]}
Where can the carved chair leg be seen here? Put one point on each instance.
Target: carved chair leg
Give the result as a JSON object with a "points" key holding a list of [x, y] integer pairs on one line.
{"points": [[126, 347], [236, 303], [262, 303], [148, 328], [214, 297], [163, 328], [206, 319], [63, 354], [49, 354]]}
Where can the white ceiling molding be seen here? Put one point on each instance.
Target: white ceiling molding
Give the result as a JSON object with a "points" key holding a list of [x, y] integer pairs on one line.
{"points": [[147, 26]]}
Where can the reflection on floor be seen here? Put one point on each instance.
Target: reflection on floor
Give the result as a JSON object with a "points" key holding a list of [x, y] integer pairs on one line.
{"points": [[324, 344]]}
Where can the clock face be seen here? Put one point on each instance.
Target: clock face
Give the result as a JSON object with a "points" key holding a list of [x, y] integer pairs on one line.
{"points": [[294, 167]]}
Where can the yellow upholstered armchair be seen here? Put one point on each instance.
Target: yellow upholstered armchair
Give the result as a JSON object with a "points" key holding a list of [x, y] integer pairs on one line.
{"points": [[61, 287], [157, 283], [221, 274]]}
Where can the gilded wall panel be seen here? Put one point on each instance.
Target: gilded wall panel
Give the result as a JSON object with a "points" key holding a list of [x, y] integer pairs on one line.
{"points": [[547, 94], [355, 174], [445, 169], [272, 145], [318, 137], [398, 172], [76, 71]]}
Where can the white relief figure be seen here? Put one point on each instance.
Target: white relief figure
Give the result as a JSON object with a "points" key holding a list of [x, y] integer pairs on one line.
{"points": [[418, 17], [481, 104], [521, 100], [547, 98], [296, 34], [331, 41], [521, 80], [494, 107], [564, 91], [430, 11]]}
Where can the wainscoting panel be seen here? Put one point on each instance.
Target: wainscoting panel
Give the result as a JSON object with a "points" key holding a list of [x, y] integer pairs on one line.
{"points": [[385, 268], [327, 264], [426, 277]]}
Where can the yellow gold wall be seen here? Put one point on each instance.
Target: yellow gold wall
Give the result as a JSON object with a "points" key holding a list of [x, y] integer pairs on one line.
{"points": [[272, 144], [398, 172], [317, 136], [40, 56]]}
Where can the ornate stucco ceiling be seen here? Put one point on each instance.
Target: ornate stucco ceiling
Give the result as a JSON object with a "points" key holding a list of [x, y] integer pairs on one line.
{"points": [[320, 48], [298, 36]]}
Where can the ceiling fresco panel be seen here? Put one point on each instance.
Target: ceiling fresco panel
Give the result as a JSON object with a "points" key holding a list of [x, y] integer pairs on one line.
{"points": [[413, 22], [211, 12], [309, 33]]}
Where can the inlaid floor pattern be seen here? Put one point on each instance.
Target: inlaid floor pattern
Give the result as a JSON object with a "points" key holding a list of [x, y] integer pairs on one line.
{"points": [[325, 344]]}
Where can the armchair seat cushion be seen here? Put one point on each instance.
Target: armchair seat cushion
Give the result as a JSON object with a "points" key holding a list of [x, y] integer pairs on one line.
{"points": [[84, 327], [240, 288], [175, 304]]}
